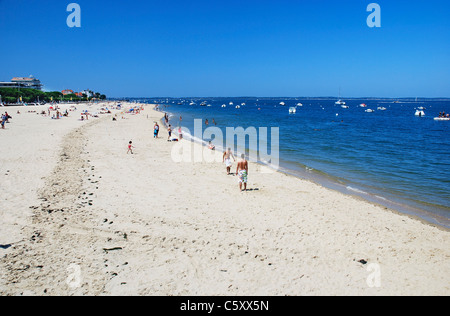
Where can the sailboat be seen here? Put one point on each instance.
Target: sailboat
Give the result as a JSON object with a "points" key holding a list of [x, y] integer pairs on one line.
{"points": [[340, 102]]}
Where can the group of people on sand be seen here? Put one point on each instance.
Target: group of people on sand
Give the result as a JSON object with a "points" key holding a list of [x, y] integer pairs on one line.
{"points": [[58, 114], [443, 115], [241, 169]]}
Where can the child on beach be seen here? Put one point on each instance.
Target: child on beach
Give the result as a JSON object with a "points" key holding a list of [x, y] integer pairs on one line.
{"points": [[170, 132], [3, 121], [130, 148]]}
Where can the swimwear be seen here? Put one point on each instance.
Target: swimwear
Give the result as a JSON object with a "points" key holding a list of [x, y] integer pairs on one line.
{"points": [[243, 176], [228, 162]]}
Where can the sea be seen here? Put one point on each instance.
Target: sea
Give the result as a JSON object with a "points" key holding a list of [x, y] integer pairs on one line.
{"points": [[389, 156]]}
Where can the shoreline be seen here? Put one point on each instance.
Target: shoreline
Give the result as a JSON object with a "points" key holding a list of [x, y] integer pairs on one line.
{"points": [[143, 224], [415, 209]]}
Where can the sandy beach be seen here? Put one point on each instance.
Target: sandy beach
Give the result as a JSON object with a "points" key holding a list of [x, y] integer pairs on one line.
{"points": [[80, 216]]}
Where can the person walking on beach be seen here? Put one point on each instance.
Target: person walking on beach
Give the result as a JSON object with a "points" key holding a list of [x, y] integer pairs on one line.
{"points": [[242, 172], [7, 117], [130, 148], [156, 130], [170, 132], [227, 160]]}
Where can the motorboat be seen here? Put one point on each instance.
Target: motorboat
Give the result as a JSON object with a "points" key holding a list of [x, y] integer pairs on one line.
{"points": [[224, 105], [345, 106], [363, 105], [369, 111], [381, 108], [282, 103], [292, 110], [238, 106], [442, 118], [419, 113], [299, 104]]}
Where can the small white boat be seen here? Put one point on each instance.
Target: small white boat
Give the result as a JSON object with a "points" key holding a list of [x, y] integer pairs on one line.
{"points": [[238, 106], [369, 111], [299, 104], [345, 106], [208, 105], [192, 103], [340, 102], [381, 108], [419, 113], [224, 105], [242, 104], [292, 110], [442, 118], [231, 103], [363, 105], [282, 103]]}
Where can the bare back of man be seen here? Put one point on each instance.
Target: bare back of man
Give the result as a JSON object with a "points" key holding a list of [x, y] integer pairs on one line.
{"points": [[242, 173]]}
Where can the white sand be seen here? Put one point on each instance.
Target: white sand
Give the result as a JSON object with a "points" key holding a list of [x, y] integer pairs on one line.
{"points": [[156, 227]]}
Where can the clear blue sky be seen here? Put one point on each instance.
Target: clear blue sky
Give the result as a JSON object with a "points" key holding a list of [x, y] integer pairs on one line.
{"points": [[230, 48]]}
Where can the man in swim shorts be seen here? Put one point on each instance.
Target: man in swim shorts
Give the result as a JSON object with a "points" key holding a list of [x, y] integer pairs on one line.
{"points": [[227, 160], [242, 172]]}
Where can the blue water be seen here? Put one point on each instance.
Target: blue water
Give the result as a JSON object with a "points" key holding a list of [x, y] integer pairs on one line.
{"points": [[386, 156]]}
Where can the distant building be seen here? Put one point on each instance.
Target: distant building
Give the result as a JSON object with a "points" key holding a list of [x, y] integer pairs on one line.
{"points": [[67, 91], [88, 93], [23, 83], [28, 82], [12, 85]]}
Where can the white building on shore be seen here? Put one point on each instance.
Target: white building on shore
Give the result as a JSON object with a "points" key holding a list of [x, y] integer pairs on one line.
{"points": [[23, 82]]}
